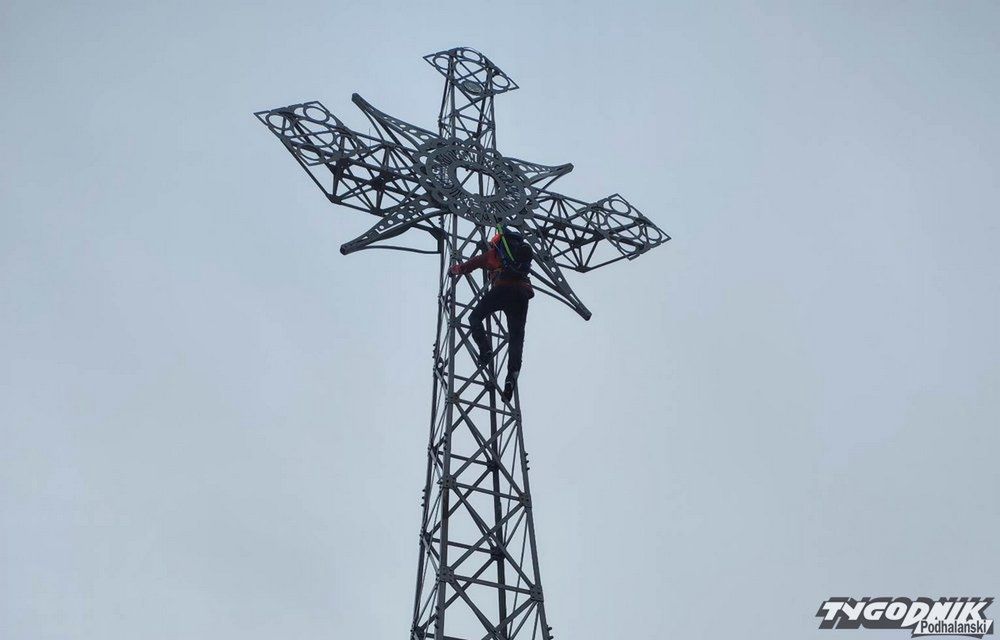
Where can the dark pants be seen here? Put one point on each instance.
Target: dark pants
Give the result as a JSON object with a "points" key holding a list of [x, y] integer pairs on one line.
{"points": [[513, 301]]}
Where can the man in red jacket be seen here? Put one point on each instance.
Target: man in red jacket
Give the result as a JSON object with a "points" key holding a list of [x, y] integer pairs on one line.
{"points": [[508, 260]]}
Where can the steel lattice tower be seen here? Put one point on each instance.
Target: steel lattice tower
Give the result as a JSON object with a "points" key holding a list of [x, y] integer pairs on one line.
{"points": [[477, 575]]}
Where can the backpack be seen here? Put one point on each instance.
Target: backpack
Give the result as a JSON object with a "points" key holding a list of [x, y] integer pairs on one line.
{"points": [[515, 254]]}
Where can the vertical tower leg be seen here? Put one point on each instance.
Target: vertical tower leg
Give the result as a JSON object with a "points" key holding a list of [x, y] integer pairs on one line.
{"points": [[478, 570]]}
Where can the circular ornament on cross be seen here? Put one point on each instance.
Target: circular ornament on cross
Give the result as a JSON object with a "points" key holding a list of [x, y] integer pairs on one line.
{"points": [[472, 181]]}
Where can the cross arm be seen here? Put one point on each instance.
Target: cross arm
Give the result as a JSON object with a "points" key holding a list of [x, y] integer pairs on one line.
{"points": [[583, 236], [375, 175], [352, 169]]}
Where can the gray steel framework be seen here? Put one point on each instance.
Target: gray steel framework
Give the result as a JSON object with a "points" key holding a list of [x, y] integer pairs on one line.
{"points": [[477, 575]]}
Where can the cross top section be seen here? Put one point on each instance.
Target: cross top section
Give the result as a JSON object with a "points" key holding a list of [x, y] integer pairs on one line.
{"points": [[411, 177]]}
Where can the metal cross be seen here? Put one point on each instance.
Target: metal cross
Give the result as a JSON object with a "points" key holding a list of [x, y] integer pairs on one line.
{"points": [[477, 575]]}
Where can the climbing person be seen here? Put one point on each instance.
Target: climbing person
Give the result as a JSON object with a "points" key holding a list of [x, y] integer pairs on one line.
{"points": [[508, 261]]}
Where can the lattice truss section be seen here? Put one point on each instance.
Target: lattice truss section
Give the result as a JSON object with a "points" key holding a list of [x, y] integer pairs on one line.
{"points": [[478, 561], [478, 574]]}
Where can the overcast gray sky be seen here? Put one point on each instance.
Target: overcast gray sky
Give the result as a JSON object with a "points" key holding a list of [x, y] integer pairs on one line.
{"points": [[214, 425]]}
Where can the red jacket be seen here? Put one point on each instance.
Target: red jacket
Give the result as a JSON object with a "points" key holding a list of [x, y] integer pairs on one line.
{"points": [[489, 260]]}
